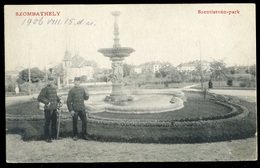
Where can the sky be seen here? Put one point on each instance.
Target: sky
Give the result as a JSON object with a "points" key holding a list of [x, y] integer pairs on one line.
{"points": [[174, 33]]}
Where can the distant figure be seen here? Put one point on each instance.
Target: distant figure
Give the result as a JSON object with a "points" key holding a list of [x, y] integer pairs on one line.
{"points": [[16, 89], [76, 106], [49, 97], [210, 84]]}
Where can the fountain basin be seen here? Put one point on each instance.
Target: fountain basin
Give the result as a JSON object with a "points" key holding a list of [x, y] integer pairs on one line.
{"points": [[145, 101], [119, 52], [141, 104]]}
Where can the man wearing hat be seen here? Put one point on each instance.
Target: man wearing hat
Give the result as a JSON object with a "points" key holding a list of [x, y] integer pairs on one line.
{"points": [[49, 97], [76, 107]]}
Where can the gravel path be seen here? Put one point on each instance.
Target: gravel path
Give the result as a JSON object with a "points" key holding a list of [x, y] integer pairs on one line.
{"points": [[67, 150]]}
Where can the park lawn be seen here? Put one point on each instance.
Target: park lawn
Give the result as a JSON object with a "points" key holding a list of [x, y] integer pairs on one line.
{"points": [[28, 108], [180, 85], [33, 129]]}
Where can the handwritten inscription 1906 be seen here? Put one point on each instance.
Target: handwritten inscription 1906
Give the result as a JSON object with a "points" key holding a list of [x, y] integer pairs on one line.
{"points": [[52, 21]]}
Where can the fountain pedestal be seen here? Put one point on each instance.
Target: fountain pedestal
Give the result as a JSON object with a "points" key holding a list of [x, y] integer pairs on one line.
{"points": [[117, 90], [117, 54]]}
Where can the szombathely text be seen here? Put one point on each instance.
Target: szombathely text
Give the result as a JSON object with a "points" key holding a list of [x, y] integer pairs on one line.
{"points": [[37, 13]]}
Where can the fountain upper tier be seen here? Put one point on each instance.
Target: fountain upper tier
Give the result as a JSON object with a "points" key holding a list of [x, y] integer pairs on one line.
{"points": [[116, 53]]}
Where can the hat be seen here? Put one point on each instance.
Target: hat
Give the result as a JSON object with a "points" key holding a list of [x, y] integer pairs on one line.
{"points": [[77, 79]]}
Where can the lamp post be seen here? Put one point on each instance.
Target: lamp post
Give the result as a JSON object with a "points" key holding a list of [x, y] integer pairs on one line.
{"points": [[29, 69], [247, 58], [201, 75]]}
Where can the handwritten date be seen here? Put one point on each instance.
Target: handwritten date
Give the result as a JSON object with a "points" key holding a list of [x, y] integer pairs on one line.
{"points": [[55, 21]]}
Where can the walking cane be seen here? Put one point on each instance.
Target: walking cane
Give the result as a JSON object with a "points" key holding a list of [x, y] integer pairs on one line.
{"points": [[58, 129]]}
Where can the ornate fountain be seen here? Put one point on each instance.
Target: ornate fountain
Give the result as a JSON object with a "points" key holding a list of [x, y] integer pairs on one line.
{"points": [[117, 54], [143, 102]]}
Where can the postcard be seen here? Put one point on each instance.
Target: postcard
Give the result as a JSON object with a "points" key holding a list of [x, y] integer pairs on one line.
{"points": [[130, 83]]}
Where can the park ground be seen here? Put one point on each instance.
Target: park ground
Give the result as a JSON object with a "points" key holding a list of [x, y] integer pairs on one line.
{"points": [[67, 150]]}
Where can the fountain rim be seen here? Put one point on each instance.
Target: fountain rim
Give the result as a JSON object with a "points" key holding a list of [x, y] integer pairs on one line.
{"points": [[107, 107], [117, 49]]}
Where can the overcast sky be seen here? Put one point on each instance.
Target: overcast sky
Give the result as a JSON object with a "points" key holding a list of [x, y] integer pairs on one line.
{"points": [[157, 33]]}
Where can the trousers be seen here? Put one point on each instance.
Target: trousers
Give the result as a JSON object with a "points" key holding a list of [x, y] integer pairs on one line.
{"points": [[50, 119], [82, 116]]}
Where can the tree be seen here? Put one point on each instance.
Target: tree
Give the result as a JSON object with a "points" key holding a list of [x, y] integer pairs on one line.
{"points": [[36, 75], [232, 71], [58, 72], [158, 75], [218, 69], [164, 73], [165, 70], [127, 68], [148, 77], [175, 76], [199, 72], [251, 70], [10, 83], [170, 73]]}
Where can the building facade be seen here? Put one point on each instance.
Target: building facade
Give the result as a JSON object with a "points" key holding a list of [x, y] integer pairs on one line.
{"points": [[76, 66], [151, 67], [192, 66]]}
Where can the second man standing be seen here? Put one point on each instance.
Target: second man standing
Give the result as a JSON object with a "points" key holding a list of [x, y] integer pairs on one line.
{"points": [[76, 107]]}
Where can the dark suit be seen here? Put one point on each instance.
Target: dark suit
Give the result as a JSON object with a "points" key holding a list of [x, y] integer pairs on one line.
{"points": [[75, 102], [46, 96]]}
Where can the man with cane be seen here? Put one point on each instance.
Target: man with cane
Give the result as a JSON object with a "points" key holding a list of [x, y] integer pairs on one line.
{"points": [[59, 116], [49, 97]]}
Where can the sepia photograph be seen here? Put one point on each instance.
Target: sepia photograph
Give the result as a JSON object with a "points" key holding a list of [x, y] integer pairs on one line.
{"points": [[130, 83]]}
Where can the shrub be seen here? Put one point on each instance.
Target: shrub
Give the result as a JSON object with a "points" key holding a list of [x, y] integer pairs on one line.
{"points": [[242, 84], [230, 82], [24, 87], [35, 87], [11, 88], [166, 84], [247, 84], [242, 78]]}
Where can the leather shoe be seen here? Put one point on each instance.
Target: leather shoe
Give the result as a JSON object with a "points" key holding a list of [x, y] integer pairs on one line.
{"points": [[75, 138], [48, 140], [85, 137], [59, 138]]}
